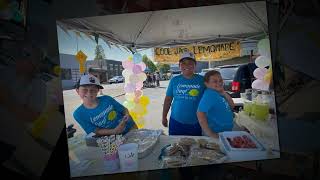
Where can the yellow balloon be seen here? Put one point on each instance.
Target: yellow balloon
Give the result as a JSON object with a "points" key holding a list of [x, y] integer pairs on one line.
{"points": [[144, 100], [268, 77], [140, 123], [145, 111], [130, 58], [133, 115], [138, 108]]}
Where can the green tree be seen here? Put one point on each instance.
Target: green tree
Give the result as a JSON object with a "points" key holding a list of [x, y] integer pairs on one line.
{"points": [[99, 53], [163, 68], [149, 63]]}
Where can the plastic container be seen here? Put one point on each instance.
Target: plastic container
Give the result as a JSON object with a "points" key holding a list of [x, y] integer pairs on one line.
{"points": [[241, 154], [128, 155]]}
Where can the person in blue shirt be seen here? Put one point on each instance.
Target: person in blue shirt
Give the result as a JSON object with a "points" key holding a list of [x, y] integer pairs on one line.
{"points": [[183, 95], [215, 108], [102, 115]]}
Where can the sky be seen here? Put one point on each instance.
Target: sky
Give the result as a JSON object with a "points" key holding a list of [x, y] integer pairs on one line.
{"points": [[68, 44]]}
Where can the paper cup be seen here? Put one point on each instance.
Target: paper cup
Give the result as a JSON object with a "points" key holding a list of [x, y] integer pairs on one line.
{"points": [[111, 162], [128, 156]]}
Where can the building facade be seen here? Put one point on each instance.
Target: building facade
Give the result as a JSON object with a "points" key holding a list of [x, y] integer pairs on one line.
{"points": [[70, 73], [104, 70]]}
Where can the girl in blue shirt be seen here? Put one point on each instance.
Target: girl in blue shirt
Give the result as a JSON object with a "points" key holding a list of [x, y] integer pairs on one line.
{"points": [[215, 108]]}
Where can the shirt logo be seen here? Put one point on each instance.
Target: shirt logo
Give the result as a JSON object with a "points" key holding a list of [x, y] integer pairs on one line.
{"points": [[112, 115], [193, 92], [92, 80]]}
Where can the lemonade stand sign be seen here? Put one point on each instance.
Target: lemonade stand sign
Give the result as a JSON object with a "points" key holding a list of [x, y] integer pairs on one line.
{"points": [[202, 52]]}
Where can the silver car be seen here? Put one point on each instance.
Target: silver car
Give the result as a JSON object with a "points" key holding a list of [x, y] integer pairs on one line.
{"points": [[116, 79]]}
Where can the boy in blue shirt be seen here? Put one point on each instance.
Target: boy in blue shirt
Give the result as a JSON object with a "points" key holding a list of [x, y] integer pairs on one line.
{"points": [[215, 108], [183, 94], [102, 115]]}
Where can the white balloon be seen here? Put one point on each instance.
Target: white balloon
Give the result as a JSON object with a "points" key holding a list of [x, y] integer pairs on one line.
{"points": [[259, 73], [262, 61], [260, 84], [126, 73], [264, 48]]}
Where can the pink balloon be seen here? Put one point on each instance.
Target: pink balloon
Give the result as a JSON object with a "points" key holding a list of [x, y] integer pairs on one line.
{"points": [[129, 88], [127, 64], [137, 93], [139, 85], [136, 69], [259, 73], [142, 65], [260, 84]]}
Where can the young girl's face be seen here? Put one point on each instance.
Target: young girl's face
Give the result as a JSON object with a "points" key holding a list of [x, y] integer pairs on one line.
{"points": [[215, 82], [88, 93], [187, 67]]}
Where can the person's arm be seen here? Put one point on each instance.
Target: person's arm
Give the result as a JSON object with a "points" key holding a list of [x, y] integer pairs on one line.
{"points": [[229, 99], [203, 121], [166, 106], [126, 113], [106, 132]]}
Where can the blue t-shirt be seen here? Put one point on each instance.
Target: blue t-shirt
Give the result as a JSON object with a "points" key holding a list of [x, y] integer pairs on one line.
{"points": [[186, 94], [108, 114], [218, 111]]}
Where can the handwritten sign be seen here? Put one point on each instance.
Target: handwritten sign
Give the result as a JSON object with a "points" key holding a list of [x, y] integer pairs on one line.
{"points": [[203, 52]]}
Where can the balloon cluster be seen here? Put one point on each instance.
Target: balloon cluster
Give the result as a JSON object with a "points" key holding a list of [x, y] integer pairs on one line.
{"points": [[134, 76], [263, 74]]}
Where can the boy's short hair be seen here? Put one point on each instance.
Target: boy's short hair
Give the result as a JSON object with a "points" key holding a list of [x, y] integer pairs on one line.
{"points": [[209, 74], [87, 80]]}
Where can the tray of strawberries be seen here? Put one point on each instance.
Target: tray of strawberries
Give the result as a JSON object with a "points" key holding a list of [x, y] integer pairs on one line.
{"points": [[240, 141]]}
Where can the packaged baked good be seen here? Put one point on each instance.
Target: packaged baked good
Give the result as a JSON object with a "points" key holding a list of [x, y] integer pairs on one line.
{"points": [[201, 156], [202, 142], [213, 146], [187, 141], [173, 161]]}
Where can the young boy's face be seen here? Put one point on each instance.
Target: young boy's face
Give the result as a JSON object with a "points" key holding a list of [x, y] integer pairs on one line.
{"points": [[215, 82], [187, 67], [88, 93]]}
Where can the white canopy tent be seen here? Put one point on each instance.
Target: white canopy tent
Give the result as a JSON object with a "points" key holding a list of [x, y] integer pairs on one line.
{"points": [[207, 24]]}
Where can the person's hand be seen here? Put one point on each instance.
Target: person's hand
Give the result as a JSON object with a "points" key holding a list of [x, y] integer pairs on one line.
{"points": [[121, 126], [165, 122]]}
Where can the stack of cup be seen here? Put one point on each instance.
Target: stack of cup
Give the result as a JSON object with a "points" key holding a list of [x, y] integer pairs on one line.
{"points": [[109, 145]]}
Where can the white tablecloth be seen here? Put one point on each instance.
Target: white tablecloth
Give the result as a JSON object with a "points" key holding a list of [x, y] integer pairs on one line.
{"points": [[87, 161], [265, 131]]}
